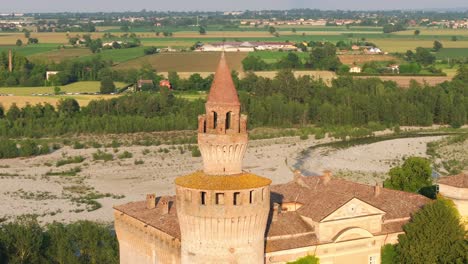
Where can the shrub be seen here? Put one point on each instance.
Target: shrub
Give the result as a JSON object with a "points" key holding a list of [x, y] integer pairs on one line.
{"points": [[70, 160], [139, 162], [125, 155], [100, 155], [78, 145], [196, 152]]}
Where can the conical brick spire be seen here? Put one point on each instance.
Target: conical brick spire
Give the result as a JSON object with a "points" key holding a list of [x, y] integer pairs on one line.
{"points": [[222, 89]]}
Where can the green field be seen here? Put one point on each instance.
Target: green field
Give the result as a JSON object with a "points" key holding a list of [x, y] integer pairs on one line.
{"points": [[29, 50], [78, 87], [451, 53], [274, 56], [119, 55]]}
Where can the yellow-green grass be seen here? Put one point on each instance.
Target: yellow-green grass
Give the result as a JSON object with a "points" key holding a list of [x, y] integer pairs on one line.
{"points": [[78, 87], [61, 54], [21, 101], [326, 76], [361, 59], [191, 96], [434, 32], [185, 61], [402, 45]]}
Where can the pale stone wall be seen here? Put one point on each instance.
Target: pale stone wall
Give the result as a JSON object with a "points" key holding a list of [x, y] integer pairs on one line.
{"points": [[329, 230], [222, 154], [223, 233], [143, 244], [458, 195], [355, 251]]}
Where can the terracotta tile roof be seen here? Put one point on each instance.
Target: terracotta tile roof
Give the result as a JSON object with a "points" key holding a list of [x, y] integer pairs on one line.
{"points": [[222, 89], [322, 199], [199, 180], [290, 243], [460, 180], [393, 227], [167, 223], [318, 199], [288, 223]]}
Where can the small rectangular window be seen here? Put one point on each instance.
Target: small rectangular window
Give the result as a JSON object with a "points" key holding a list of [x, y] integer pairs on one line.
{"points": [[220, 198], [236, 200], [251, 197], [372, 259], [203, 198]]}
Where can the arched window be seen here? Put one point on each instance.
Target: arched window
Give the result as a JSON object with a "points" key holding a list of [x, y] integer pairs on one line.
{"points": [[228, 120], [215, 119]]}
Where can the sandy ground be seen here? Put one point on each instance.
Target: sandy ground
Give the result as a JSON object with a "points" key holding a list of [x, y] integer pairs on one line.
{"points": [[26, 189]]}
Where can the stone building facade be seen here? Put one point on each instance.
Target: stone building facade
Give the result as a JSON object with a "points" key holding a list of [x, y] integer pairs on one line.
{"points": [[223, 214], [456, 188]]}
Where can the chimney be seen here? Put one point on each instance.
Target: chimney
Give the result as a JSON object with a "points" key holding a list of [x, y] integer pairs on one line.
{"points": [[377, 189], [326, 177], [276, 211], [151, 201], [164, 205], [10, 61]]}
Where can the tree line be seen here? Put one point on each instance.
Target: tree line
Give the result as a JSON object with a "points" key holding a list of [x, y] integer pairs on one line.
{"points": [[282, 101], [25, 241]]}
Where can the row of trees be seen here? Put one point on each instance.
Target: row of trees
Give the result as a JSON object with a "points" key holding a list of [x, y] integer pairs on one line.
{"points": [[25, 241], [320, 58], [282, 101]]}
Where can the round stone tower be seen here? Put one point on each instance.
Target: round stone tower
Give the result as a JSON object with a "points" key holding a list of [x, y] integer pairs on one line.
{"points": [[222, 210]]}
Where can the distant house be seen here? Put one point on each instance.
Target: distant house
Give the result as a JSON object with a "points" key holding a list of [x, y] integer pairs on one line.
{"points": [[355, 48], [236, 46], [165, 83], [394, 68], [142, 83], [355, 69], [374, 50], [50, 74]]}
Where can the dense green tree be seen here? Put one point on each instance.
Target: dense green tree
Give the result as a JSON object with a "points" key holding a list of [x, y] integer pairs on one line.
{"points": [[437, 46], [389, 254], [424, 56], [414, 174], [25, 241], [107, 85], [150, 50], [417, 32], [22, 241], [306, 260], [202, 30], [291, 61], [324, 58], [174, 79], [434, 235], [254, 63], [19, 42], [68, 107]]}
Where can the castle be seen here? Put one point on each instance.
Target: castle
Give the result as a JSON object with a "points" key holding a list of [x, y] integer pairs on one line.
{"points": [[223, 214]]}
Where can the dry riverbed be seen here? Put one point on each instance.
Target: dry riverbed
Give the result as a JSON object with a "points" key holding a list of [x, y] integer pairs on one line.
{"points": [[88, 189]]}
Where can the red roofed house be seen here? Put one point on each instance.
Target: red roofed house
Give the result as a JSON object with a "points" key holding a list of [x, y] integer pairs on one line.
{"points": [[165, 83], [224, 214]]}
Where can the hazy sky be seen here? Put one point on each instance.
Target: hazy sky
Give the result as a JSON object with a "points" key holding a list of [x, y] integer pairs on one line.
{"points": [[214, 5]]}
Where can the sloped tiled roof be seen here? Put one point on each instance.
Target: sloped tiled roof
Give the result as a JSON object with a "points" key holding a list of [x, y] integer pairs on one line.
{"points": [[318, 199], [222, 89], [460, 180]]}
